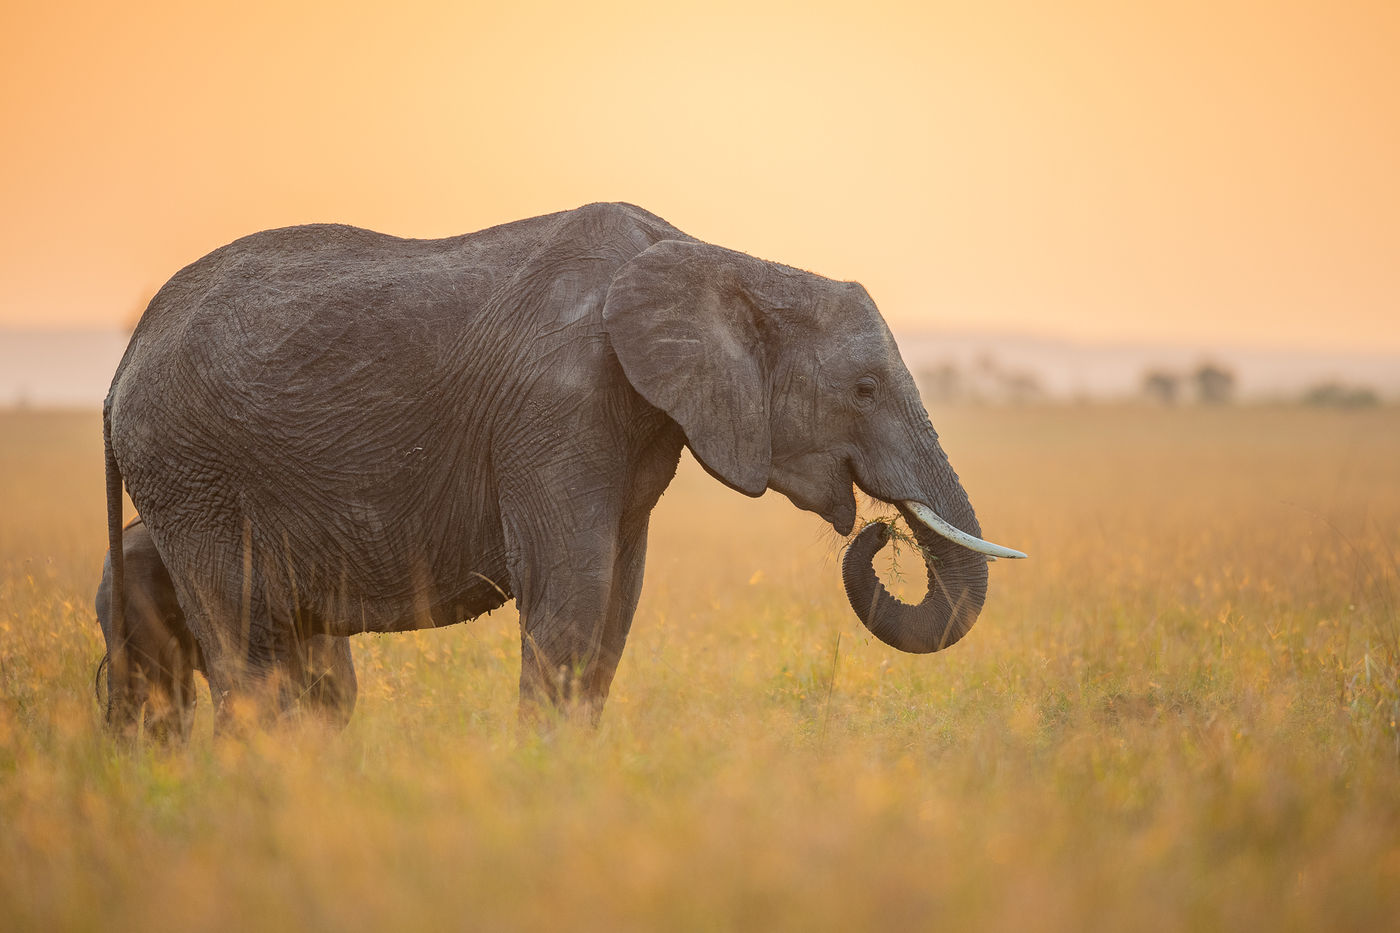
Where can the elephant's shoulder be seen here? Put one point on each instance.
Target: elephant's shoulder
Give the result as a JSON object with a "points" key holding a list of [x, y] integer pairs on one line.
{"points": [[616, 226], [619, 212]]}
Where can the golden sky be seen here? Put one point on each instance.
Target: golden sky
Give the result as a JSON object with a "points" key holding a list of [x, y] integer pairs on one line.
{"points": [[1216, 173]]}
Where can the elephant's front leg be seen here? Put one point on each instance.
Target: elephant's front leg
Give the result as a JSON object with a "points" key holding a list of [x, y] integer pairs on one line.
{"points": [[563, 620], [622, 605], [569, 641], [570, 655], [576, 536]]}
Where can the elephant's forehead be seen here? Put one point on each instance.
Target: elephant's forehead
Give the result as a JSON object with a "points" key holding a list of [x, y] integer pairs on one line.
{"points": [[852, 353], [855, 329]]}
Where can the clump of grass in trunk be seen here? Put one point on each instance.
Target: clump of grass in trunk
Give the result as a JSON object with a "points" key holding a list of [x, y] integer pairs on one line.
{"points": [[900, 537]]}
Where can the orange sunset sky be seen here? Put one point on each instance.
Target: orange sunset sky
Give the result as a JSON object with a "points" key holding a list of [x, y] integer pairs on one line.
{"points": [[1215, 173]]}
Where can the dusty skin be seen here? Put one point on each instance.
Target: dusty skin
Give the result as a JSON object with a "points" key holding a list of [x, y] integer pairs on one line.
{"points": [[1181, 716]]}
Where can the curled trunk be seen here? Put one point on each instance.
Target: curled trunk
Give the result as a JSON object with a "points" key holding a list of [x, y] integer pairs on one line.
{"points": [[957, 588]]}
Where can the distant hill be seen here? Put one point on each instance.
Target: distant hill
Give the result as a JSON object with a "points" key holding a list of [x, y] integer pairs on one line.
{"points": [[50, 369], [1065, 369]]}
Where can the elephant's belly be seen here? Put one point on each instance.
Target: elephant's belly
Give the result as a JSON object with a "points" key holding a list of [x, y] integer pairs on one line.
{"points": [[432, 604]]}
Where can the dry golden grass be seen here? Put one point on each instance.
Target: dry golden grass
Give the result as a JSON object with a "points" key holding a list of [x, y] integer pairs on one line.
{"points": [[1180, 713]]}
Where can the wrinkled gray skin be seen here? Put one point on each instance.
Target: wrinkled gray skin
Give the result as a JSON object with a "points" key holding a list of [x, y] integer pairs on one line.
{"points": [[162, 656], [332, 431]]}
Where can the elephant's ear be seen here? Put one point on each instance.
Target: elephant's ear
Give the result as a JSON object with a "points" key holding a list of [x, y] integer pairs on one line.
{"points": [[683, 326]]}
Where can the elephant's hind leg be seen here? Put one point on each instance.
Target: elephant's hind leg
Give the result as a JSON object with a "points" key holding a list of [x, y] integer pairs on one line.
{"points": [[252, 679]]}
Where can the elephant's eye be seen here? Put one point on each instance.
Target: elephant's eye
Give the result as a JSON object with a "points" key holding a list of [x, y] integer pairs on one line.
{"points": [[866, 388]]}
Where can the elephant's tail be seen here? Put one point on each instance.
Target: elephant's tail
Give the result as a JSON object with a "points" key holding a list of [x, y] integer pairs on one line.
{"points": [[118, 670]]}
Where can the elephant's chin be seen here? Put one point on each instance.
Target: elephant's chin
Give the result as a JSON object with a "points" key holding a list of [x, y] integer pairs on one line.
{"points": [[839, 512], [835, 503], [843, 519]]}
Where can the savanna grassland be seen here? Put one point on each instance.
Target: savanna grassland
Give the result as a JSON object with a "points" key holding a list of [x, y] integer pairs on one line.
{"points": [[1180, 713]]}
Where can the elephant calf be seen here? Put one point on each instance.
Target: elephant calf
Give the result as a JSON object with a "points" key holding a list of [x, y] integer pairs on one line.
{"points": [[162, 655]]}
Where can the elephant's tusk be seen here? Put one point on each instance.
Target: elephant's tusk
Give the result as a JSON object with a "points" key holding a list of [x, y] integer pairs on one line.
{"points": [[936, 524]]}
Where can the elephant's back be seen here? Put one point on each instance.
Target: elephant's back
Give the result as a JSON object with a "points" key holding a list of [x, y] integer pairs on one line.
{"points": [[325, 283], [346, 324], [324, 319], [327, 395], [297, 294]]}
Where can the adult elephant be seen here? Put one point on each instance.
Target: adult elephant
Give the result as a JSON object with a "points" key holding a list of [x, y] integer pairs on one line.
{"points": [[331, 431]]}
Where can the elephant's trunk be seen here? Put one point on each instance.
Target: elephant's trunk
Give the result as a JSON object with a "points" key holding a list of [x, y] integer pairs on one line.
{"points": [[957, 586]]}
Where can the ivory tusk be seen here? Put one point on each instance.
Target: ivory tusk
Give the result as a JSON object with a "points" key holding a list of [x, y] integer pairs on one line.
{"points": [[937, 525]]}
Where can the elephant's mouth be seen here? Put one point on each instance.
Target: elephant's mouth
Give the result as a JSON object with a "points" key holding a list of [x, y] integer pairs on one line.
{"points": [[956, 563]]}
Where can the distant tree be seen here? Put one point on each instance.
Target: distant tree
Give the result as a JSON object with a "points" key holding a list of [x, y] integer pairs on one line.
{"points": [[1337, 395], [1215, 385], [1162, 386], [1021, 386], [985, 381]]}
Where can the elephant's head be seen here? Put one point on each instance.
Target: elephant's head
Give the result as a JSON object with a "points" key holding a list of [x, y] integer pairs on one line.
{"points": [[786, 380]]}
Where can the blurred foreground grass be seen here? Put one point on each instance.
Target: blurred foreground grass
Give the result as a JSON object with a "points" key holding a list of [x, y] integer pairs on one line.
{"points": [[1180, 713]]}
